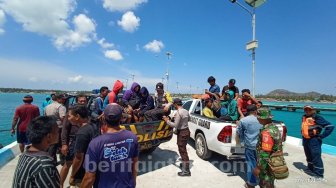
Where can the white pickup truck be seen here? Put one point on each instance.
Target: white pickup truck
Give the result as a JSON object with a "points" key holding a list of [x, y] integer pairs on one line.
{"points": [[214, 135]]}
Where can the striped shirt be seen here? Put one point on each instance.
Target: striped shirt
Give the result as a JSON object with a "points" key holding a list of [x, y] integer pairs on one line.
{"points": [[36, 169]]}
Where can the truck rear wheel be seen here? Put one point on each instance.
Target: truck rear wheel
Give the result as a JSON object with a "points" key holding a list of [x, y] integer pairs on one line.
{"points": [[201, 147]]}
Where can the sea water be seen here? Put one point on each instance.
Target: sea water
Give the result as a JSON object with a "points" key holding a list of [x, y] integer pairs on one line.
{"points": [[8, 104], [292, 120], [9, 101]]}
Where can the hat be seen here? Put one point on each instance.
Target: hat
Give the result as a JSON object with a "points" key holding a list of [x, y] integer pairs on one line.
{"points": [[60, 96], [232, 81], [225, 88], [113, 112], [177, 101], [251, 108], [264, 113], [308, 107], [159, 86]]}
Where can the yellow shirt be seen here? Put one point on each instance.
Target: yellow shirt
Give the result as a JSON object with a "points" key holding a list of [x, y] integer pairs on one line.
{"points": [[208, 112]]}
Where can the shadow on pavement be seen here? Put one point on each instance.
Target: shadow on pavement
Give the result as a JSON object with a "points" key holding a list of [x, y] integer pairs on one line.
{"points": [[232, 167], [158, 159], [300, 165]]}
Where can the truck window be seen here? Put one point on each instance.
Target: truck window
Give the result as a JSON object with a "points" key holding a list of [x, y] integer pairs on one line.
{"points": [[187, 105], [198, 108]]}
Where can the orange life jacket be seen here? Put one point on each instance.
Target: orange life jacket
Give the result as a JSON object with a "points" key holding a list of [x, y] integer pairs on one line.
{"points": [[309, 128], [267, 142]]}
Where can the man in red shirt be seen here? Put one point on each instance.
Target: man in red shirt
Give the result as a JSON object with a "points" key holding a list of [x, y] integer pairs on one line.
{"points": [[244, 101], [22, 117]]}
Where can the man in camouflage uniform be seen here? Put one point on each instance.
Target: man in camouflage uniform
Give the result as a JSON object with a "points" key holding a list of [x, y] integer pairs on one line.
{"points": [[266, 180]]}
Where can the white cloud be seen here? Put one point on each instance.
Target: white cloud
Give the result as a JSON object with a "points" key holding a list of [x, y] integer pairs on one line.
{"points": [[137, 47], [84, 32], [75, 79], [129, 22], [154, 46], [49, 18], [104, 44], [2, 21], [43, 17], [122, 5], [20, 73], [113, 54]]}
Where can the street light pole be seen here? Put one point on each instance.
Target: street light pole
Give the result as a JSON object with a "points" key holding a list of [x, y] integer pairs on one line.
{"points": [[253, 53], [132, 77], [252, 45], [169, 54]]}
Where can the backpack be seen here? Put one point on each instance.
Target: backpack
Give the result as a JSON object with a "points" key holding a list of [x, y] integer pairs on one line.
{"points": [[277, 165]]}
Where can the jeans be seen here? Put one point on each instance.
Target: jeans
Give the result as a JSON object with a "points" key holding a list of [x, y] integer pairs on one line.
{"points": [[312, 149], [251, 160]]}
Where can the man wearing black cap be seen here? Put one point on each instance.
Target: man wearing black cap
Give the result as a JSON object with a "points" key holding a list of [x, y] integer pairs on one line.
{"points": [[232, 87], [312, 136], [183, 134], [22, 117], [248, 131], [111, 158], [163, 102]]}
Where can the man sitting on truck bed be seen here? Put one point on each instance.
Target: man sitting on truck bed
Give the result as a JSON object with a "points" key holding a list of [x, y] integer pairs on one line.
{"points": [[163, 102], [146, 103], [131, 101], [244, 101]]}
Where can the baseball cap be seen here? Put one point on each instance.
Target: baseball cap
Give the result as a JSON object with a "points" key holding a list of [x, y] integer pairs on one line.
{"points": [[264, 113], [177, 101], [113, 112], [232, 81], [159, 86], [308, 107], [251, 108]]}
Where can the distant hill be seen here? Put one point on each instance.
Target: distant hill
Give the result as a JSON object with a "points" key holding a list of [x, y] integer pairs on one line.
{"points": [[286, 93]]}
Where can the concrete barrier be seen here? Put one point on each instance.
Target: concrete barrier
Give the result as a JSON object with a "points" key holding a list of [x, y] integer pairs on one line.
{"points": [[328, 149], [8, 153]]}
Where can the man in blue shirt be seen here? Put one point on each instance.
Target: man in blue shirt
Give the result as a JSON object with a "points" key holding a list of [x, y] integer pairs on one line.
{"points": [[111, 158], [214, 88], [248, 130]]}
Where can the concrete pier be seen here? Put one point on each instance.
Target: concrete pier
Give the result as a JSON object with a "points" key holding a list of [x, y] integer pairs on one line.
{"points": [[160, 170], [292, 108]]}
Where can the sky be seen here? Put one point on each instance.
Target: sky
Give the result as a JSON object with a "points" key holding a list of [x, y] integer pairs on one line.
{"points": [[83, 45]]}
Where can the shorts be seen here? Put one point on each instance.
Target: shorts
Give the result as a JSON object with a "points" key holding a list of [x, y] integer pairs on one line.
{"points": [[21, 138]]}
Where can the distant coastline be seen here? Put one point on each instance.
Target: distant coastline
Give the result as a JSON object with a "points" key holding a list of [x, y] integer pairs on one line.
{"points": [[37, 91], [278, 95]]}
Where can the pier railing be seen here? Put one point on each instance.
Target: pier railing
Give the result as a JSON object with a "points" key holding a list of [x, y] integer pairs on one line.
{"points": [[292, 108]]}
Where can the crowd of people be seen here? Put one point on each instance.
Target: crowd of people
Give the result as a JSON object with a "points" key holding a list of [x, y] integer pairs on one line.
{"points": [[227, 105], [99, 153]]}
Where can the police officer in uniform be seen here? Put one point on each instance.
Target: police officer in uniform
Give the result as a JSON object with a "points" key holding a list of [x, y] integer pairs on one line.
{"points": [[312, 136], [183, 134], [269, 141]]}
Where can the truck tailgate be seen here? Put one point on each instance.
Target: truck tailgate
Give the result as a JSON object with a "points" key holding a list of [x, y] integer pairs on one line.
{"points": [[150, 134], [236, 147]]}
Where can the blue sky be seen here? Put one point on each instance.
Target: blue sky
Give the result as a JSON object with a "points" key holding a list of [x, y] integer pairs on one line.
{"points": [[81, 45]]}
